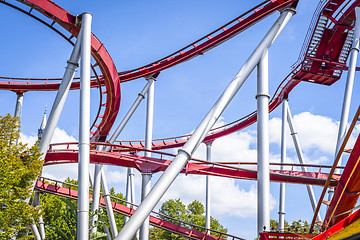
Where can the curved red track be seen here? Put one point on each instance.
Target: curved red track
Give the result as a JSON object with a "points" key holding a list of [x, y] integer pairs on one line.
{"points": [[322, 60], [104, 62]]}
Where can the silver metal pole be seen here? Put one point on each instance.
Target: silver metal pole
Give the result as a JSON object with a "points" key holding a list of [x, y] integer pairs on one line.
{"points": [[35, 231], [128, 192], [19, 104], [208, 191], [199, 134], [41, 230], [84, 126], [146, 176], [348, 92], [301, 158], [109, 209], [281, 227], [128, 115], [61, 96], [132, 184], [263, 176], [96, 196]]}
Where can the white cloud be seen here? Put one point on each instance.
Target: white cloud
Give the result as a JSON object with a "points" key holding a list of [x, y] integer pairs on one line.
{"points": [[227, 197]]}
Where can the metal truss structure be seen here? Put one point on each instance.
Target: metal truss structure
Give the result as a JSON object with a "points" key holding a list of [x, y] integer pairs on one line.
{"points": [[332, 37]]}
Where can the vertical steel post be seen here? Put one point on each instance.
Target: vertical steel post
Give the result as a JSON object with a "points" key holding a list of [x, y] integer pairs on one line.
{"points": [[128, 192], [19, 104], [96, 196], [184, 154], [348, 92], [263, 176], [281, 227], [208, 191], [119, 129], [82, 227], [301, 158], [35, 231], [146, 176]]}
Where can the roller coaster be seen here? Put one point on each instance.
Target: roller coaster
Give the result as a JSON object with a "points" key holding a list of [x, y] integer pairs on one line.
{"points": [[331, 38]]}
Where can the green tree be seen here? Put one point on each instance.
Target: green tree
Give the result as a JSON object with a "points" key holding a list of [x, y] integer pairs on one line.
{"points": [[20, 165], [60, 215], [193, 213], [299, 226]]}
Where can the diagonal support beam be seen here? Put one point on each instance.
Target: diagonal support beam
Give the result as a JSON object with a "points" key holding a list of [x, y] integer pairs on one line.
{"points": [[184, 154], [301, 159]]}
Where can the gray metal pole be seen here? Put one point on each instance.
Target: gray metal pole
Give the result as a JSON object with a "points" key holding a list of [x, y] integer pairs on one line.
{"points": [[146, 176], [128, 115], [19, 104], [348, 92], [109, 209], [208, 191], [128, 191], [263, 176], [184, 154], [281, 227], [301, 158], [35, 231], [96, 196], [82, 228], [121, 126]]}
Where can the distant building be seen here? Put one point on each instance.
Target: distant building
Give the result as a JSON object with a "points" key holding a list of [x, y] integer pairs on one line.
{"points": [[42, 127]]}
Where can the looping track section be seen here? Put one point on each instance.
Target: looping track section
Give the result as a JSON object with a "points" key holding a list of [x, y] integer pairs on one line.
{"points": [[103, 60]]}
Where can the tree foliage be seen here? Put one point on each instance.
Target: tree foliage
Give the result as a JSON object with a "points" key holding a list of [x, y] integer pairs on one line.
{"points": [[20, 165], [61, 214], [192, 213], [299, 226]]}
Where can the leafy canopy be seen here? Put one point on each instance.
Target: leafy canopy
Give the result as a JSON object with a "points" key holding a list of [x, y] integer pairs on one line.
{"points": [[20, 165]]}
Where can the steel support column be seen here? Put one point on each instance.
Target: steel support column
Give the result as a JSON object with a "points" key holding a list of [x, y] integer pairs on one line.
{"points": [[146, 176], [301, 159], [19, 104], [348, 92], [184, 154], [263, 175], [281, 227], [208, 191], [82, 228], [128, 191], [96, 196]]}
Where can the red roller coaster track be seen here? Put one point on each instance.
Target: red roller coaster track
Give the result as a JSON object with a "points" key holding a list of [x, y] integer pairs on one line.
{"points": [[185, 229], [63, 153], [322, 60]]}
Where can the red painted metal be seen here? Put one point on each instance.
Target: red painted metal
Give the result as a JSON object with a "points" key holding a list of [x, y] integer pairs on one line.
{"points": [[276, 235], [339, 226], [347, 191], [181, 228], [110, 76], [196, 167]]}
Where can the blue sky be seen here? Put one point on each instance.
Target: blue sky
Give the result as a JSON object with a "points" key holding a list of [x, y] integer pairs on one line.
{"points": [[138, 32]]}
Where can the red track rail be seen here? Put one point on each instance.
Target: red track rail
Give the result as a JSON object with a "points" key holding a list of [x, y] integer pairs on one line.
{"points": [[341, 12], [182, 228], [198, 167], [199, 47], [103, 60], [347, 190]]}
